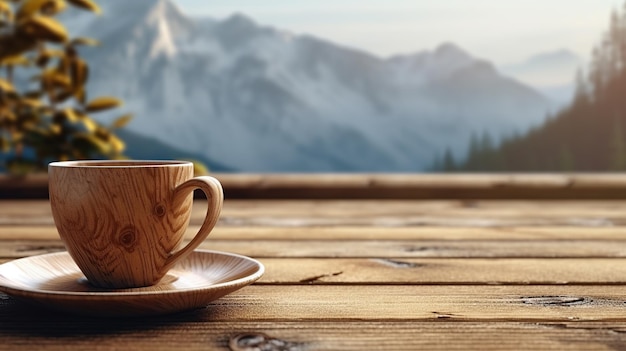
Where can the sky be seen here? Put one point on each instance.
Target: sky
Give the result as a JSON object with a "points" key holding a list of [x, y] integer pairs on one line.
{"points": [[503, 31]]}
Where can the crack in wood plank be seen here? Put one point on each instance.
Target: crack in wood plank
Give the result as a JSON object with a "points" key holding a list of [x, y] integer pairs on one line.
{"points": [[556, 300], [316, 278], [444, 315]]}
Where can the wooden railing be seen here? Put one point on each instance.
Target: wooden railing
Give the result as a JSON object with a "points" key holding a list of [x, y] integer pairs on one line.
{"points": [[391, 186]]}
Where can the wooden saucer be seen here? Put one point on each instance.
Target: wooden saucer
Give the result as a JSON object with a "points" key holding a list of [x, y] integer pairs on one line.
{"points": [[54, 281]]}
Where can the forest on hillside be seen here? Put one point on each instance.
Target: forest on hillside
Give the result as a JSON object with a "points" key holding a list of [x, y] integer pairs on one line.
{"points": [[589, 135]]}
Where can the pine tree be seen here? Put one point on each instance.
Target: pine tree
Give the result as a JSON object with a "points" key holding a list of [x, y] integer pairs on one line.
{"points": [[486, 142], [566, 160], [609, 57], [582, 88], [449, 164], [618, 148], [475, 153], [588, 135]]}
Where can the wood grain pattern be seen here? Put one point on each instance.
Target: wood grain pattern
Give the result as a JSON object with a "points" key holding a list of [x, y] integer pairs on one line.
{"points": [[365, 233], [63, 333], [395, 271], [409, 271], [423, 302], [461, 303], [354, 275], [122, 221], [376, 213], [380, 248]]}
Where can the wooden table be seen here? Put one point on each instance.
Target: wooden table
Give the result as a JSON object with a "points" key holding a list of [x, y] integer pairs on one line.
{"points": [[371, 274]]}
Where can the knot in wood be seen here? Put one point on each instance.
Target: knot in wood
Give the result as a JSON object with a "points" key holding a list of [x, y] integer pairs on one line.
{"points": [[160, 210], [127, 238], [260, 342]]}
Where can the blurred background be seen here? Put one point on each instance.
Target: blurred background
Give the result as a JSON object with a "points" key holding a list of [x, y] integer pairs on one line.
{"points": [[355, 86]]}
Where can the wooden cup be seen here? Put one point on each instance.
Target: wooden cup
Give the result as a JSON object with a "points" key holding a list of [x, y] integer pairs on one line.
{"points": [[122, 221]]}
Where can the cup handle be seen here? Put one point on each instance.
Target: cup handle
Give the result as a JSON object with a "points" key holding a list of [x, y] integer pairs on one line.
{"points": [[215, 195]]}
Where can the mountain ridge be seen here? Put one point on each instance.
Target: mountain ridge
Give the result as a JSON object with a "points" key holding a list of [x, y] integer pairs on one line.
{"points": [[263, 99]]}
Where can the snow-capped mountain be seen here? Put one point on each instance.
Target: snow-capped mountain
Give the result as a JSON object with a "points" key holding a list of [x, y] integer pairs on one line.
{"points": [[257, 98]]}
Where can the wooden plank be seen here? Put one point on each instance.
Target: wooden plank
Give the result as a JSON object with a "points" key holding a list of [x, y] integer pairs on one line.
{"points": [[464, 303], [505, 303], [414, 186], [388, 213], [223, 232], [385, 208], [425, 249], [426, 186], [377, 248], [54, 332], [400, 213], [20, 212], [411, 271], [444, 271]]}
